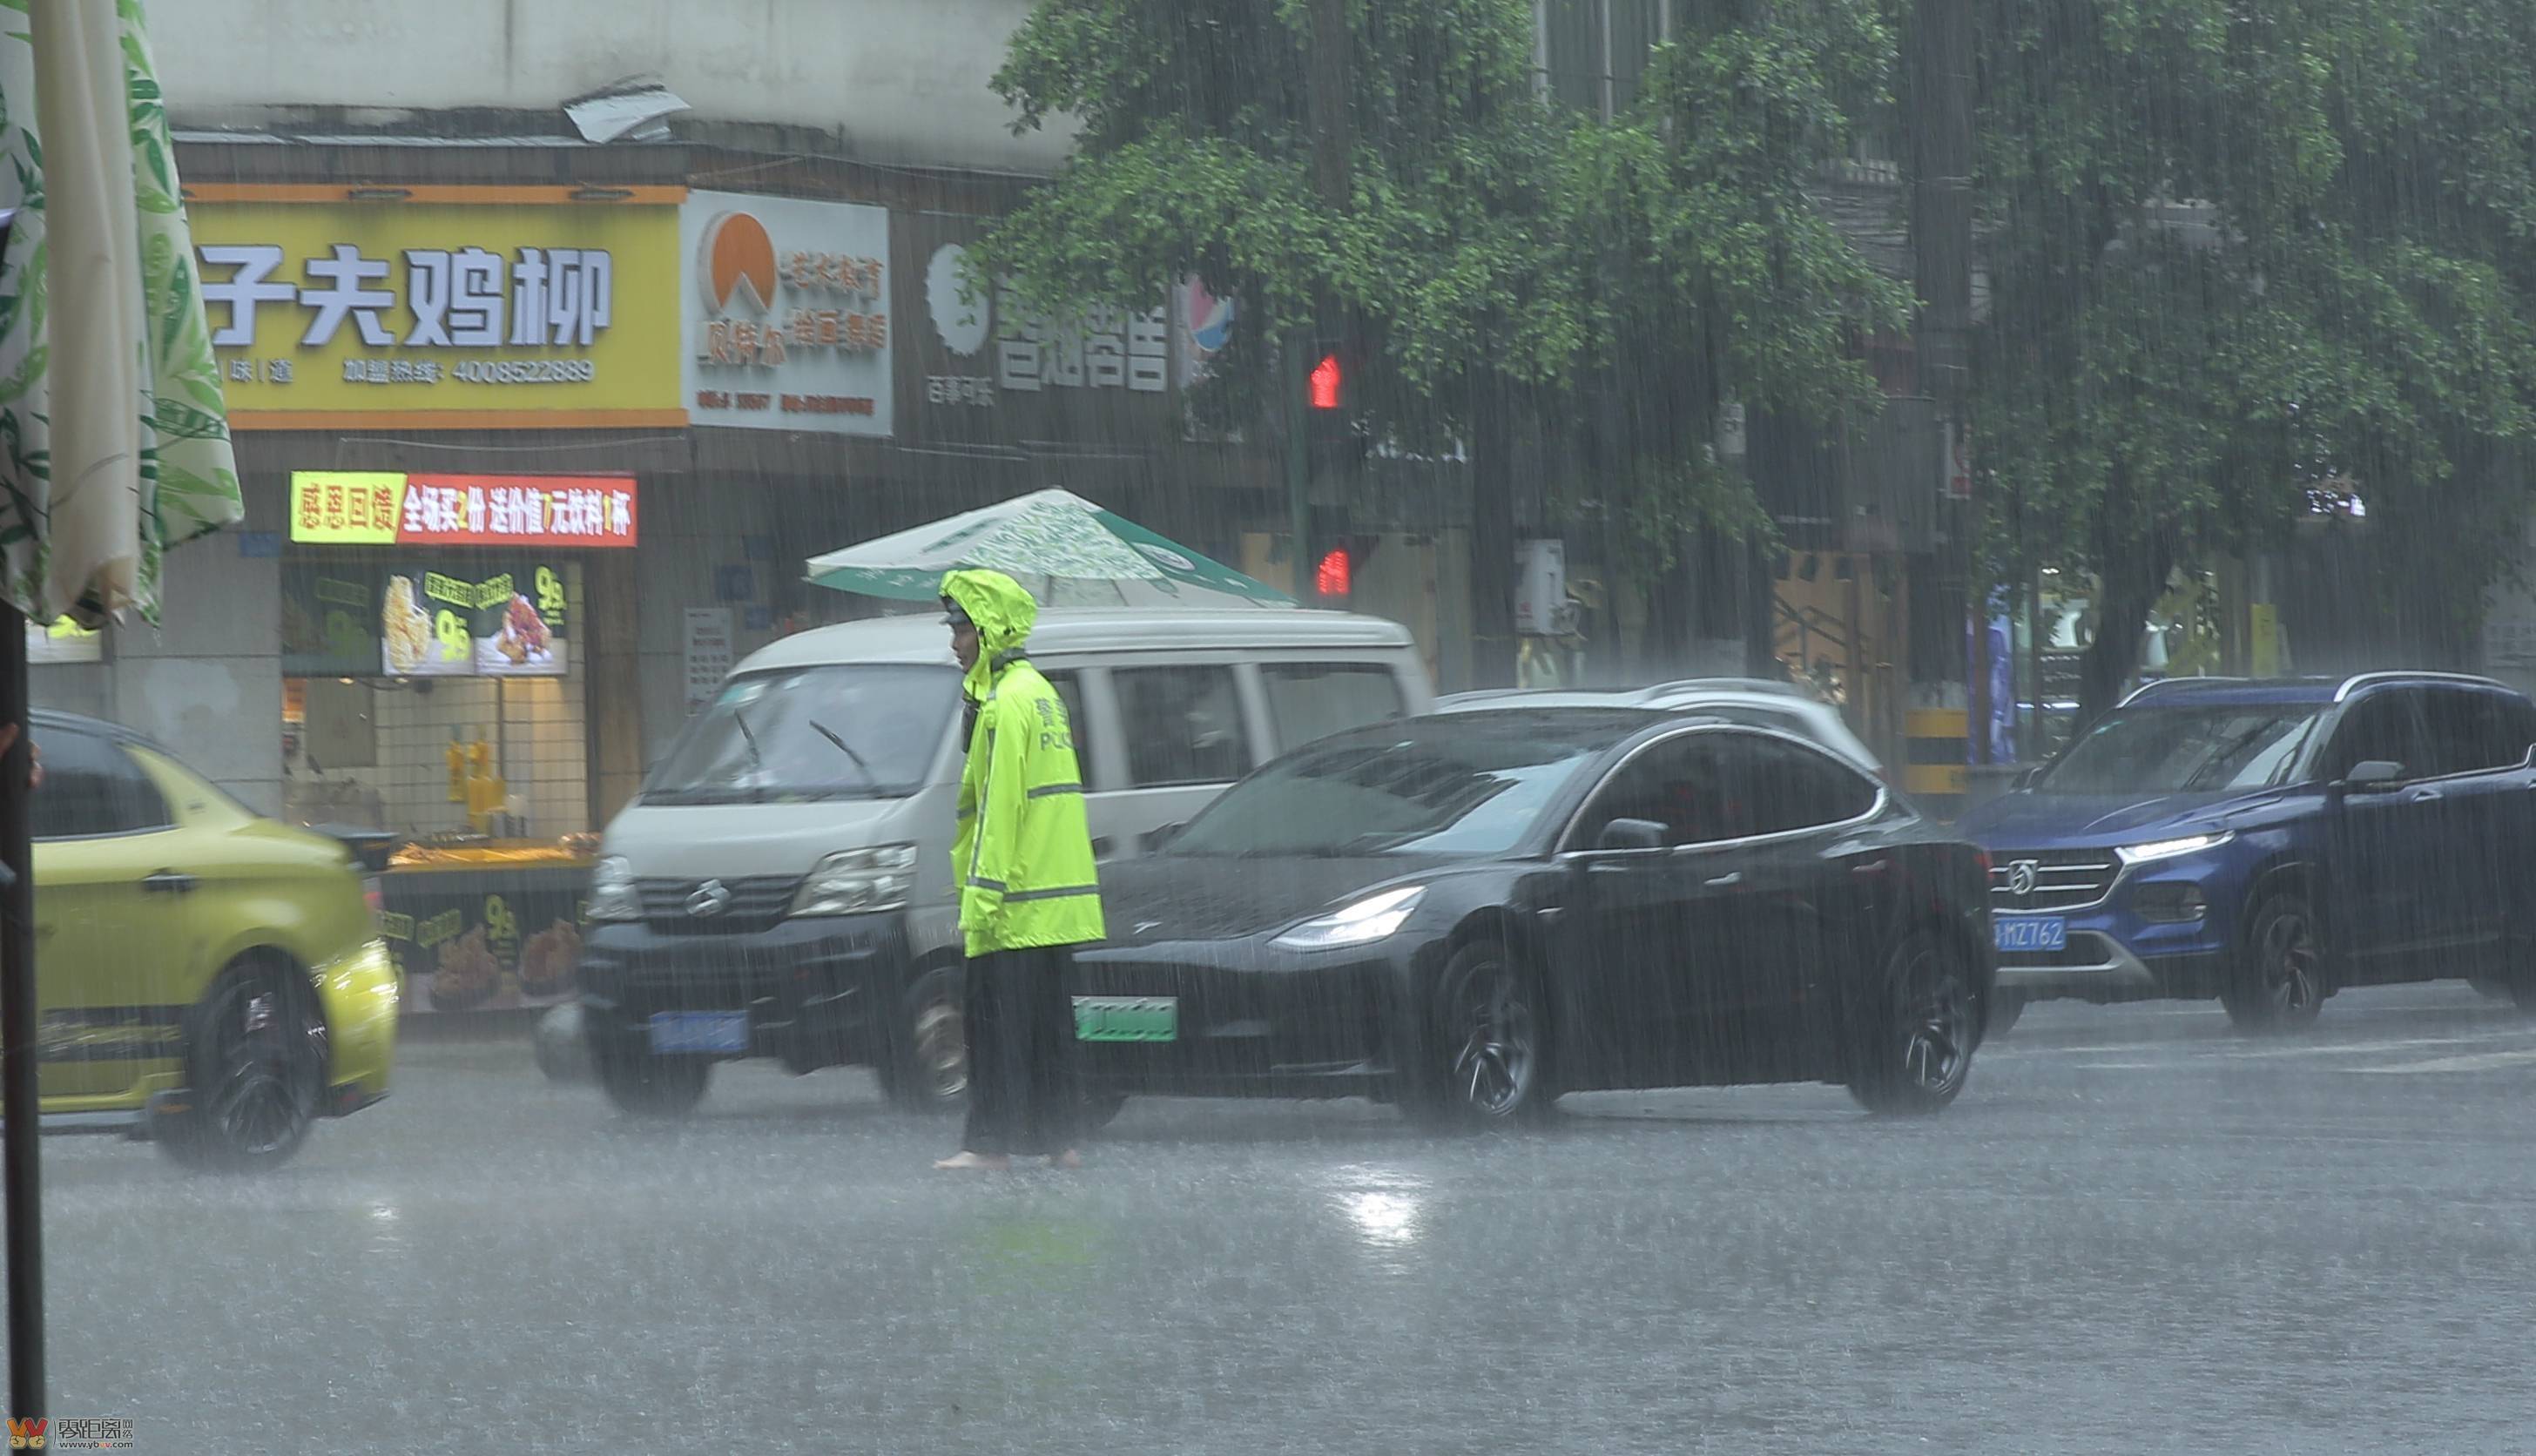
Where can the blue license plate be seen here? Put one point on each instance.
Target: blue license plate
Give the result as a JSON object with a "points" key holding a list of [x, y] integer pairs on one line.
{"points": [[699, 1032], [2032, 932]]}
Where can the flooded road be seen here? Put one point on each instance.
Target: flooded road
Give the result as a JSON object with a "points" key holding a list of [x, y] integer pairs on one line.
{"points": [[2135, 1232]]}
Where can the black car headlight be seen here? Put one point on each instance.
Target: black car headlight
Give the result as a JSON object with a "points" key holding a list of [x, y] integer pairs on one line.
{"points": [[1374, 918]]}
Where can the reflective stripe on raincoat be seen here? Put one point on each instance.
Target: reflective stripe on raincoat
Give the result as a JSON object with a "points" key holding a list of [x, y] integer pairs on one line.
{"points": [[1023, 855]]}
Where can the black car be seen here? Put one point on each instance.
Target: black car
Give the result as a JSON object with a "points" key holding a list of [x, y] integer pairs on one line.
{"points": [[1471, 914]]}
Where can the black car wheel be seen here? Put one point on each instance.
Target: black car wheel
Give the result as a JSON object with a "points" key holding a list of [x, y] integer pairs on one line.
{"points": [[645, 1084], [927, 1066], [1919, 1032], [255, 1068], [2279, 985], [1490, 1043]]}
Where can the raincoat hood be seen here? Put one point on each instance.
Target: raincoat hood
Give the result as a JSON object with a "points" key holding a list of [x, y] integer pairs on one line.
{"points": [[1005, 614]]}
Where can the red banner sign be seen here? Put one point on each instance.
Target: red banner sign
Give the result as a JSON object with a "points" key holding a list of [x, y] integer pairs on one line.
{"points": [[389, 508]]}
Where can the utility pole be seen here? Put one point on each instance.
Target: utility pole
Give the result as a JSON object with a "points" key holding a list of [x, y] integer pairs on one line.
{"points": [[1940, 61]]}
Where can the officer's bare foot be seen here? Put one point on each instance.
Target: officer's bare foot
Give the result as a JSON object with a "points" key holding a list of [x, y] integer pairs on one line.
{"points": [[974, 1163], [1069, 1159]]}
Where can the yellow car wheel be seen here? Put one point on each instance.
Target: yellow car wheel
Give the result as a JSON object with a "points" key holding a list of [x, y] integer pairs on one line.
{"points": [[255, 1068]]}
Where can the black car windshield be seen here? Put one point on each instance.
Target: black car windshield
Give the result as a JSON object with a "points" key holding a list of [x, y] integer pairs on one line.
{"points": [[2185, 749], [853, 731], [1467, 786]]}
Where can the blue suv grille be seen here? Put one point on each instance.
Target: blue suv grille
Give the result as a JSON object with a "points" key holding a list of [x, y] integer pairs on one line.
{"points": [[2050, 879]]}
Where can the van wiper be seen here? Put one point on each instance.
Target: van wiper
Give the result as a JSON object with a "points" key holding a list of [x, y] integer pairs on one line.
{"points": [[846, 748], [756, 759]]}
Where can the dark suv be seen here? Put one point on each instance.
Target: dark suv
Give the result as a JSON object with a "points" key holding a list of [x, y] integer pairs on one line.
{"points": [[2270, 843]]}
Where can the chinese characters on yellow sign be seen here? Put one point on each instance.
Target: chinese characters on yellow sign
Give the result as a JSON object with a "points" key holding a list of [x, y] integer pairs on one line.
{"points": [[479, 314]]}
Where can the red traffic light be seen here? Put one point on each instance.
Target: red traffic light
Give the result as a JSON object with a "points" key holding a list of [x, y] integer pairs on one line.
{"points": [[1336, 574], [1326, 380]]}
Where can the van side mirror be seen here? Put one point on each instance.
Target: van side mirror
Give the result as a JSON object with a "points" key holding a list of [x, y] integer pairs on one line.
{"points": [[2375, 772], [1631, 834]]}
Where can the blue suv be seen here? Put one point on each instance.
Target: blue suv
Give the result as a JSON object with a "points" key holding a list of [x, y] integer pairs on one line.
{"points": [[2270, 843]]}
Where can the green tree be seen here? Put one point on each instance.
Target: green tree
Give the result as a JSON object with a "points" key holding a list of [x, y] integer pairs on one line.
{"points": [[2224, 266], [1438, 249], [1491, 254], [1708, 274]]}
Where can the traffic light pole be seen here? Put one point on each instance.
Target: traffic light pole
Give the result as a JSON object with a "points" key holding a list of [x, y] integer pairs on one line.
{"points": [[1298, 462], [1327, 100]]}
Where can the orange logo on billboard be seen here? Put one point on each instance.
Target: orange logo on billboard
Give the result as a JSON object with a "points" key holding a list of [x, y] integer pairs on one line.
{"points": [[737, 252], [27, 1435]]}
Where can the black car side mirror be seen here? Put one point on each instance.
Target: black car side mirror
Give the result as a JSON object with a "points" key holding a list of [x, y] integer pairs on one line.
{"points": [[2375, 773], [1631, 834], [1156, 839], [2026, 776]]}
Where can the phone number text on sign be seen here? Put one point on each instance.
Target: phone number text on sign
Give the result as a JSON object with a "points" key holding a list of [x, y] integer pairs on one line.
{"points": [[469, 372]]}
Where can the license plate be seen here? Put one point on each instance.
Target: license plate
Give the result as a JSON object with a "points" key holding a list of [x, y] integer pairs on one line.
{"points": [[1127, 1018], [692, 1031], [2032, 932]]}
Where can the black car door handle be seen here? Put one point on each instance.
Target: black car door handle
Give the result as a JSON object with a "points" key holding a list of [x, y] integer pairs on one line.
{"points": [[1726, 880], [171, 882], [2421, 796]]}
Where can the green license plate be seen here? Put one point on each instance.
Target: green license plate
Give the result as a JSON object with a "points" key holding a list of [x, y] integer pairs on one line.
{"points": [[1127, 1018]]}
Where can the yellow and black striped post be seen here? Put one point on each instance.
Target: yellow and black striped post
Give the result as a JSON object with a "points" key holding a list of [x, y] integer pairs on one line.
{"points": [[1938, 747]]}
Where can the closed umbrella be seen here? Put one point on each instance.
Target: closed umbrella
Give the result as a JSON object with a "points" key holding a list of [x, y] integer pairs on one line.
{"points": [[1069, 552], [113, 447]]}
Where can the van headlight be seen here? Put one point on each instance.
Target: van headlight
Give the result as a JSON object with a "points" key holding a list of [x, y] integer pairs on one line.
{"points": [[859, 883], [1374, 918], [612, 892]]}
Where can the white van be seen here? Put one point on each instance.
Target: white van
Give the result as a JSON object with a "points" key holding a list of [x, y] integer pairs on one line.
{"points": [[782, 886]]}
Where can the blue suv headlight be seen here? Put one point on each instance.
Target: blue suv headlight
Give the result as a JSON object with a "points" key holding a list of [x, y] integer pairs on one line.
{"points": [[2169, 848]]}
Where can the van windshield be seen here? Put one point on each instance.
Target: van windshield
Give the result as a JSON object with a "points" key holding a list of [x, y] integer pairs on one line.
{"points": [[807, 733]]}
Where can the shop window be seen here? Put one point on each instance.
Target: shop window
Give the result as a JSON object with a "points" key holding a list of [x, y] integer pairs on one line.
{"points": [[1184, 726], [1309, 701]]}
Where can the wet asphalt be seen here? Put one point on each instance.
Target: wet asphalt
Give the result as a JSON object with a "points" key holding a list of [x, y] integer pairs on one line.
{"points": [[2136, 1232]]}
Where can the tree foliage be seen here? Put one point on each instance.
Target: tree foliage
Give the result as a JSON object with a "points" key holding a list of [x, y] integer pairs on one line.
{"points": [[1614, 282], [1196, 155], [1707, 272], [2237, 249]]}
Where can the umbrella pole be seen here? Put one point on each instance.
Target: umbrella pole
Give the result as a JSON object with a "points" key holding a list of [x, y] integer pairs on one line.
{"points": [[18, 1162]]}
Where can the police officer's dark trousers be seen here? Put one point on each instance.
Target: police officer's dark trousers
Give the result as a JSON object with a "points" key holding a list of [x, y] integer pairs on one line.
{"points": [[1025, 1095]]}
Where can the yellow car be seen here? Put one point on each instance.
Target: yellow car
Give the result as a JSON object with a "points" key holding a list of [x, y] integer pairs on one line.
{"points": [[206, 976]]}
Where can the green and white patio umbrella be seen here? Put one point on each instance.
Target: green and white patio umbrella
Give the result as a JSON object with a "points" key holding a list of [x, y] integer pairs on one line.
{"points": [[115, 441], [113, 447], [1065, 549]]}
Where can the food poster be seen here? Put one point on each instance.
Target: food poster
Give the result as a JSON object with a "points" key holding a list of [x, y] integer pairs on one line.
{"points": [[427, 624], [473, 940], [329, 620], [520, 622], [437, 621]]}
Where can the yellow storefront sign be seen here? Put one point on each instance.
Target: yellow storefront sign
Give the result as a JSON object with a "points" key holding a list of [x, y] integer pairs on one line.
{"points": [[452, 307]]}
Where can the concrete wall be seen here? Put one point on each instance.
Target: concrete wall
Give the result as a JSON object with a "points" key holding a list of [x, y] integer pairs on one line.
{"points": [[208, 681], [899, 81]]}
